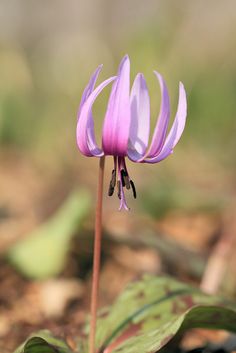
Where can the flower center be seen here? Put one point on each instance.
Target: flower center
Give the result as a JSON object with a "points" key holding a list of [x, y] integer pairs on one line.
{"points": [[120, 179]]}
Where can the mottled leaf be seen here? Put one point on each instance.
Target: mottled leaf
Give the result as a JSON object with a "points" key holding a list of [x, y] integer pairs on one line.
{"points": [[152, 311], [43, 252]]}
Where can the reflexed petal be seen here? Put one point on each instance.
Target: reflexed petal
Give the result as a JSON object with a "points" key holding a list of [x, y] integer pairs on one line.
{"points": [[90, 87], [176, 130], [85, 125], [140, 118], [117, 119], [162, 121]]}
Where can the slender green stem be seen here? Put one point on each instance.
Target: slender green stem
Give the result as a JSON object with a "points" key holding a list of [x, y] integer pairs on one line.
{"points": [[96, 257]]}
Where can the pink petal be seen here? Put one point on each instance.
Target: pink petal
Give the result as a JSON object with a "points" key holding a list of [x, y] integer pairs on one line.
{"points": [[176, 130], [140, 118], [162, 121], [85, 125], [90, 87], [117, 119]]}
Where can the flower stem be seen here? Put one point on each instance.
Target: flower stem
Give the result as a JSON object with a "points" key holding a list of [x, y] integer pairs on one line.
{"points": [[96, 257]]}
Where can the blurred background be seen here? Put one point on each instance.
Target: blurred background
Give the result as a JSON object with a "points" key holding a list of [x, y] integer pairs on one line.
{"points": [[186, 204]]}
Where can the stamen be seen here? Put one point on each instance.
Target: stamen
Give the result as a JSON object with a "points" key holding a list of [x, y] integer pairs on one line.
{"points": [[122, 177], [133, 189], [110, 190], [124, 181], [112, 183], [119, 189], [113, 178], [125, 177]]}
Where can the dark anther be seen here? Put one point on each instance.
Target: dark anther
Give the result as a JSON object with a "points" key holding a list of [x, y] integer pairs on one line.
{"points": [[112, 183], [125, 179], [111, 190], [119, 189], [122, 177], [113, 178], [133, 189]]}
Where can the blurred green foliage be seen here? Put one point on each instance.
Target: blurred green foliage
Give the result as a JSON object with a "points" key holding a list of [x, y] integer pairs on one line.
{"points": [[43, 253], [172, 196]]}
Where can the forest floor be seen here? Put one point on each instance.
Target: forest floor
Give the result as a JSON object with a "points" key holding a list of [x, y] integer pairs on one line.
{"points": [[131, 246]]}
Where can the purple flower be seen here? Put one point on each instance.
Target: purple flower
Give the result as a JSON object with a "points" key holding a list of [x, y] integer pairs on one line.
{"points": [[126, 126]]}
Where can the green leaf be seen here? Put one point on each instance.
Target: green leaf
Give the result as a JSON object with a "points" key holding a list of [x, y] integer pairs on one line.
{"points": [[147, 316], [153, 311], [43, 342], [43, 252]]}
